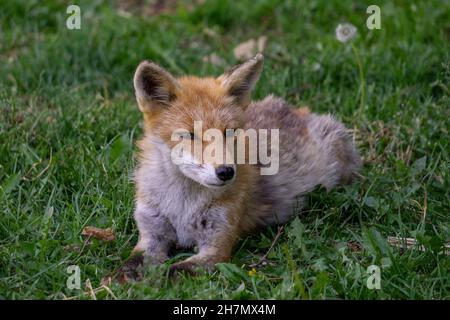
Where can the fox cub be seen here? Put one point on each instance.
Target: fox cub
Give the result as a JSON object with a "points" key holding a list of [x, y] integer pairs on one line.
{"points": [[210, 205]]}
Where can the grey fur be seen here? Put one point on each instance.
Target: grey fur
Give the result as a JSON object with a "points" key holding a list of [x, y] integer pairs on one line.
{"points": [[324, 156]]}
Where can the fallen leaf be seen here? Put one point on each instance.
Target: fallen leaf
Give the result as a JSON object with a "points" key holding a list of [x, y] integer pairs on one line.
{"points": [[249, 48], [97, 233], [354, 246], [213, 59], [262, 43]]}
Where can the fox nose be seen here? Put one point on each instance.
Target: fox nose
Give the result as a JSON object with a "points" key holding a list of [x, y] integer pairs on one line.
{"points": [[225, 173]]}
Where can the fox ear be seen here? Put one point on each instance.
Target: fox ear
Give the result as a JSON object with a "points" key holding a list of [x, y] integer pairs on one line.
{"points": [[240, 80], [154, 87]]}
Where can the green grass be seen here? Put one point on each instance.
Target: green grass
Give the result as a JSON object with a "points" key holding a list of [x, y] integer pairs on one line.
{"points": [[68, 123]]}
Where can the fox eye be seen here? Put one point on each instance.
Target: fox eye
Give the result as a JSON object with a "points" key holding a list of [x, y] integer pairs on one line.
{"points": [[187, 135]]}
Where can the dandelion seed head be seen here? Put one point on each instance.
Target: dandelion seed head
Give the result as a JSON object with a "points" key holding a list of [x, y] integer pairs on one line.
{"points": [[345, 32]]}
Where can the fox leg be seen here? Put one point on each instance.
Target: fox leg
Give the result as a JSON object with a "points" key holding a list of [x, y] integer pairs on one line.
{"points": [[156, 236], [214, 248]]}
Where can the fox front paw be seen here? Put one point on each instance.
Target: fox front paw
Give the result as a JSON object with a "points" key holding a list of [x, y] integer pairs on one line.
{"points": [[183, 267], [131, 270], [194, 263]]}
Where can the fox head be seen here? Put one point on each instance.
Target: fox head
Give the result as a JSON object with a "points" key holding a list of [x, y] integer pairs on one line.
{"points": [[179, 106]]}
